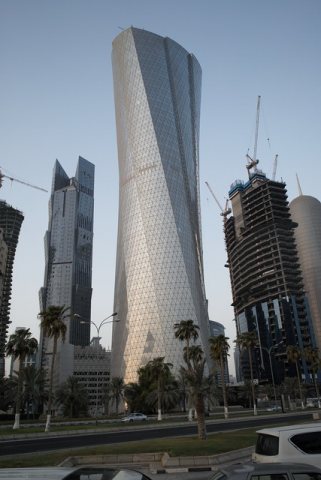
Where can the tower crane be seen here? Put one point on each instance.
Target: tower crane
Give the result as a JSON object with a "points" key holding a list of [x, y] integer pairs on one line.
{"points": [[275, 164], [224, 212], [2, 176], [252, 162]]}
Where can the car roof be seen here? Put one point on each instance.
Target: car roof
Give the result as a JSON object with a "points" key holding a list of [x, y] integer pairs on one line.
{"points": [[289, 428], [44, 473]]}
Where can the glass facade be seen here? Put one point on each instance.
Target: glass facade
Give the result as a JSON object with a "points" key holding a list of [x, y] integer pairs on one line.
{"points": [[159, 271], [10, 224], [68, 256]]}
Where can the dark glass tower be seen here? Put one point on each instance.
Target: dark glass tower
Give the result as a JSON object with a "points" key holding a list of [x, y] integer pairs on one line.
{"points": [[68, 255], [159, 270], [10, 224], [267, 288]]}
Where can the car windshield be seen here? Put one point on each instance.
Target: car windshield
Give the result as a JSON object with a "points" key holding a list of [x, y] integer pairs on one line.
{"points": [[105, 474]]}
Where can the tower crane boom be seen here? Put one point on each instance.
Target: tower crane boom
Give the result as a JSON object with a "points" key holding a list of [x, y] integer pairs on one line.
{"points": [[2, 176], [226, 210], [275, 164]]}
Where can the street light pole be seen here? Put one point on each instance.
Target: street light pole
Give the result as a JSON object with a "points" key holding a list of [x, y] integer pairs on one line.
{"points": [[98, 327]]}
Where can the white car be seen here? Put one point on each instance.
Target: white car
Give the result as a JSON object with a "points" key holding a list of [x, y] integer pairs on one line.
{"points": [[293, 443], [71, 473], [134, 417]]}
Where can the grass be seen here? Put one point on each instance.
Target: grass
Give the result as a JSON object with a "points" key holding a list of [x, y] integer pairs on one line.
{"points": [[179, 446]]}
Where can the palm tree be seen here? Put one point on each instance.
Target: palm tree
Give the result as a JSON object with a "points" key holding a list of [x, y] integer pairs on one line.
{"points": [[73, 396], [20, 345], [34, 387], [158, 371], [219, 348], [312, 357], [185, 331], [8, 392], [199, 387], [248, 341], [117, 391], [293, 354], [53, 326]]}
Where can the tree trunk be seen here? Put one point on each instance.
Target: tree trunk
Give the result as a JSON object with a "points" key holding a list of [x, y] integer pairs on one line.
{"points": [[159, 406], [299, 380], [200, 412], [224, 387], [252, 384], [54, 351], [16, 424]]}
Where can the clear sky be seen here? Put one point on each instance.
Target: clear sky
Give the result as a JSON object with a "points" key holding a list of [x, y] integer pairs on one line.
{"points": [[56, 101]]}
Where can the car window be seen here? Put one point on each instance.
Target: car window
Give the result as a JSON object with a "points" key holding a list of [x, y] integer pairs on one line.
{"points": [[272, 476], [105, 474], [308, 442], [267, 445], [218, 476], [307, 476]]}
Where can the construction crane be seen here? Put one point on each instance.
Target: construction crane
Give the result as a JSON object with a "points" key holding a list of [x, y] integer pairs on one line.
{"points": [[2, 176], [275, 164], [252, 162], [224, 212]]}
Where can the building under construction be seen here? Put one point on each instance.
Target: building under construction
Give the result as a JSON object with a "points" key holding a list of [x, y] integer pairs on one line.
{"points": [[10, 224], [267, 289]]}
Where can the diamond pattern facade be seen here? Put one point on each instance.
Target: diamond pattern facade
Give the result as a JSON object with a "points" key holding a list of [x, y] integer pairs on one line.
{"points": [[159, 271]]}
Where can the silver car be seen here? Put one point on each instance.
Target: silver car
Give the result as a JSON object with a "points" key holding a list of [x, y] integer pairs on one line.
{"points": [[134, 417]]}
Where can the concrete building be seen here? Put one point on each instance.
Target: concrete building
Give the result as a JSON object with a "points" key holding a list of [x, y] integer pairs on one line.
{"points": [[10, 224], [306, 212], [217, 329], [159, 271], [68, 256], [267, 288], [92, 369]]}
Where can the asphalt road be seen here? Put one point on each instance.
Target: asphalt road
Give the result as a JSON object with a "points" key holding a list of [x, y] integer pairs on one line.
{"points": [[67, 441]]}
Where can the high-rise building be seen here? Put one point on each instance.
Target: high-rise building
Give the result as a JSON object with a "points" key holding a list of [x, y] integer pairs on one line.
{"points": [[68, 256], [267, 289], [92, 370], [159, 270], [10, 224], [306, 212], [217, 329]]}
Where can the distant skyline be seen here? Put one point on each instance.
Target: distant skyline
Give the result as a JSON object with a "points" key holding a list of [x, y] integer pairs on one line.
{"points": [[57, 101]]}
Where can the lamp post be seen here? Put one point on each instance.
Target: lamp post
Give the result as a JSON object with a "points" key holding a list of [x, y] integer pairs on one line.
{"points": [[269, 350], [98, 327]]}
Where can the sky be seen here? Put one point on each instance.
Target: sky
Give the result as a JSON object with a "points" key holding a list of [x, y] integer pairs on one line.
{"points": [[56, 101]]}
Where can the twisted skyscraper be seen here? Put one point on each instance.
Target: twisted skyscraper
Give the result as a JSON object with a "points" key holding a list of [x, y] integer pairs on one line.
{"points": [[159, 271]]}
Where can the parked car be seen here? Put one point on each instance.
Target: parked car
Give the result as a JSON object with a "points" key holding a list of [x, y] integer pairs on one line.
{"points": [[134, 417], [274, 408], [294, 443], [268, 471], [70, 473]]}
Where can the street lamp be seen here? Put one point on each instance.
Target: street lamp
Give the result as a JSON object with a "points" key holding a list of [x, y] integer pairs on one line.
{"points": [[98, 327], [269, 350]]}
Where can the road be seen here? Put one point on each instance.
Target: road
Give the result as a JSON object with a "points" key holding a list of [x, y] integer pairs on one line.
{"points": [[67, 441]]}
